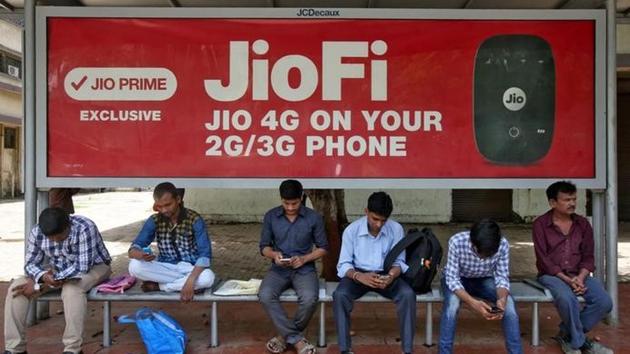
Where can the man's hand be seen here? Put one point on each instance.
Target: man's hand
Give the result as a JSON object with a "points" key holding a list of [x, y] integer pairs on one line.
{"points": [[385, 281], [49, 279], [188, 291], [141, 255], [370, 279], [484, 310], [577, 285], [277, 259], [27, 289], [297, 262]]}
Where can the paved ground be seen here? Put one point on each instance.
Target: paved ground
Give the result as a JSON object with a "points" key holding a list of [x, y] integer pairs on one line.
{"points": [[120, 215], [243, 328]]}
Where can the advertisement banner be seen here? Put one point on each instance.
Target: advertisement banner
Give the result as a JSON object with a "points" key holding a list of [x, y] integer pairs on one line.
{"points": [[320, 98]]}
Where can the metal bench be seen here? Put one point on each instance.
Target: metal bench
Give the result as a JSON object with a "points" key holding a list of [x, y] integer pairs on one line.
{"points": [[530, 290], [428, 298], [133, 294], [522, 291]]}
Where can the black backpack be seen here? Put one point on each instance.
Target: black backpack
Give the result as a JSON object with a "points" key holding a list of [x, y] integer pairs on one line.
{"points": [[424, 254]]}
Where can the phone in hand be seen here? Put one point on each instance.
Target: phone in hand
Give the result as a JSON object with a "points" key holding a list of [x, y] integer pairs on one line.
{"points": [[495, 310], [147, 250], [285, 260]]}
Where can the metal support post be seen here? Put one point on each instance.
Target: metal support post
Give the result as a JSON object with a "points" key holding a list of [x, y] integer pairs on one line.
{"points": [[428, 339], [599, 234], [214, 331], [535, 325], [321, 341], [611, 163], [107, 324]]}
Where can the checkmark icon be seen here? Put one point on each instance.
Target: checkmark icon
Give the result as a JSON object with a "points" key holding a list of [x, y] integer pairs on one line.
{"points": [[77, 85]]}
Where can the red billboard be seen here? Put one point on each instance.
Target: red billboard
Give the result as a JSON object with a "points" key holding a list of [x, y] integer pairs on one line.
{"points": [[320, 98]]}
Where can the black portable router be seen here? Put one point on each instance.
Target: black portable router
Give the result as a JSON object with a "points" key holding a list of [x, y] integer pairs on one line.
{"points": [[514, 99]]}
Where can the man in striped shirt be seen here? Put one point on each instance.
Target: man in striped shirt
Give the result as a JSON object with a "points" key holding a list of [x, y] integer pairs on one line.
{"points": [[477, 273], [63, 251]]}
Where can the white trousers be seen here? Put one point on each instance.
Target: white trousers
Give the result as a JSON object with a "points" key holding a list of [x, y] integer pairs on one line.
{"points": [[170, 277]]}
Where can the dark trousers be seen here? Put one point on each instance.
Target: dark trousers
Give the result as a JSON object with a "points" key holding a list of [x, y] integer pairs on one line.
{"points": [[307, 288], [399, 291]]}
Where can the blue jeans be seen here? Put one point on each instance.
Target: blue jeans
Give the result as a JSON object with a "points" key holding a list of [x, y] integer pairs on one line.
{"points": [[483, 288], [576, 323]]}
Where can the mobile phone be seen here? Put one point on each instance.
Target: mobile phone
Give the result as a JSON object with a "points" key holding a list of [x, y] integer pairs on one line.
{"points": [[147, 250], [495, 309], [285, 260]]}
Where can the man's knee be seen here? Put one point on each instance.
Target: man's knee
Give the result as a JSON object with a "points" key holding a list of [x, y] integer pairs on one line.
{"points": [[341, 295], [407, 293], [17, 282], [268, 295], [565, 299], [72, 292], [135, 267], [207, 278], [451, 305], [309, 298], [510, 308], [604, 303]]}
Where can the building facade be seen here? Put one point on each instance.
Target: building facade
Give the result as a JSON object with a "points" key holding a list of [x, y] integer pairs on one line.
{"points": [[11, 110]]}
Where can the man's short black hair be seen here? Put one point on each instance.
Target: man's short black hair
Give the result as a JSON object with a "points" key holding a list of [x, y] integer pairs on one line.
{"points": [[53, 221], [380, 203], [485, 235], [166, 187], [560, 187], [291, 189]]}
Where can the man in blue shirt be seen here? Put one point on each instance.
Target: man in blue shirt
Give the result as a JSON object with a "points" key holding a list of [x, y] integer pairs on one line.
{"points": [[287, 238], [364, 245], [63, 251], [477, 273], [183, 261]]}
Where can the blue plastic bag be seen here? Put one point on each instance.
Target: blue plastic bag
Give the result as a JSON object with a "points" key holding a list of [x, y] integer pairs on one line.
{"points": [[160, 333]]}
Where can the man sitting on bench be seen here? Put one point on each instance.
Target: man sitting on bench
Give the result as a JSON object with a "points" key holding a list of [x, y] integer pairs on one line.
{"points": [[477, 273], [287, 238], [184, 249], [364, 245], [64, 251], [563, 242]]}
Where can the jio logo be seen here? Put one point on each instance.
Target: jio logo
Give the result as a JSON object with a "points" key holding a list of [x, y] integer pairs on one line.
{"points": [[514, 99]]}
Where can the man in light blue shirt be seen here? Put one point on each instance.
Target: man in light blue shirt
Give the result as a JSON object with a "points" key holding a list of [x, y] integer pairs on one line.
{"points": [[364, 246], [477, 273]]}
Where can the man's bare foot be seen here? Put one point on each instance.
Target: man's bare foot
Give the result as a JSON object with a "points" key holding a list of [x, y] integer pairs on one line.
{"points": [[149, 286]]}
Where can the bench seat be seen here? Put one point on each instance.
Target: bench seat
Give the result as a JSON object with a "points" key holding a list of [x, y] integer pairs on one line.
{"points": [[526, 291]]}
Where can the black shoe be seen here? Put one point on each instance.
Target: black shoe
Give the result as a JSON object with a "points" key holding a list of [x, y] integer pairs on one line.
{"points": [[81, 352], [10, 352]]}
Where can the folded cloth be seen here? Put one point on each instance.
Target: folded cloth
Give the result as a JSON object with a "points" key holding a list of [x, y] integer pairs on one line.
{"points": [[117, 284], [239, 287]]}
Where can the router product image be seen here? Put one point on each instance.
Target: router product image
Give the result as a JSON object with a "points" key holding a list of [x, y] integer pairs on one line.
{"points": [[514, 99]]}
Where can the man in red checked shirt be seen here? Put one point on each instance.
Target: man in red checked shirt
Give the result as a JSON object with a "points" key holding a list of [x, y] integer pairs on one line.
{"points": [[563, 242]]}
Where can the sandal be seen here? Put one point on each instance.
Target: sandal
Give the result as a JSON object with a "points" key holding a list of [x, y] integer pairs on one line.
{"points": [[307, 348], [276, 345]]}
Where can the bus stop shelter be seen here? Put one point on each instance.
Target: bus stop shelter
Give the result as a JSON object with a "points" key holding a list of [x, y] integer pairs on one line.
{"points": [[41, 173]]}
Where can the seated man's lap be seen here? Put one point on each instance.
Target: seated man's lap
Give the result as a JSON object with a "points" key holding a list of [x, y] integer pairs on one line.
{"points": [[483, 288]]}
